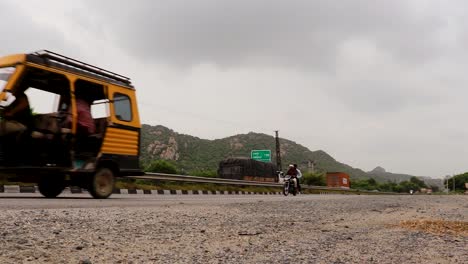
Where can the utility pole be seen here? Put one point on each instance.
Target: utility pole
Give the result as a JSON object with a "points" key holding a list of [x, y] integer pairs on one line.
{"points": [[444, 183], [448, 186], [453, 180], [278, 152], [311, 165], [448, 183]]}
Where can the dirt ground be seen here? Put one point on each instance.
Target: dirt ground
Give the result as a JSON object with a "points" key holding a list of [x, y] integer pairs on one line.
{"points": [[304, 229]]}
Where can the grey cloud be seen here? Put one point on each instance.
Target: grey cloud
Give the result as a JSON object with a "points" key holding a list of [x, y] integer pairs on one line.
{"points": [[302, 35], [279, 33], [379, 97], [22, 35]]}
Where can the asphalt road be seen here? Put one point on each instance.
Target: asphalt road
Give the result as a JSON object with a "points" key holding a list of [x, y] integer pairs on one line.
{"points": [[36, 201], [229, 229]]}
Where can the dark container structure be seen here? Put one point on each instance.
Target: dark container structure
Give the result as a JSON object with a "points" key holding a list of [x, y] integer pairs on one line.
{"points": [[247, 169]]}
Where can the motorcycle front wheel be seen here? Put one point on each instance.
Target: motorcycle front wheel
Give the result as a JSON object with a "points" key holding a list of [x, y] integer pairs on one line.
{"points": [[294, 187], [286, 188]]}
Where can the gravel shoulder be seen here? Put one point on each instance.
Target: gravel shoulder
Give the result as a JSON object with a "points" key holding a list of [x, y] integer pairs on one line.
{"points": [[306, 229]]}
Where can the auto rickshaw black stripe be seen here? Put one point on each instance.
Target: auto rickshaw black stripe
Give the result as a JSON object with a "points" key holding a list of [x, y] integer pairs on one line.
{"points": [[128, 165]]}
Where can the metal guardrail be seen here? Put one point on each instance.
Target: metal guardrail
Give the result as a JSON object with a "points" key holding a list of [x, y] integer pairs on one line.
{"points": [[188, 178]]}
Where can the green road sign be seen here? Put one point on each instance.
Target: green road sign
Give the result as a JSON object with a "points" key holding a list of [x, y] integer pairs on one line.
{"points": [[261, 155]]}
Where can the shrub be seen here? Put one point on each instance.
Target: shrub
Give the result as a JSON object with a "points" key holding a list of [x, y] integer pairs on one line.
{"points": [[204, 173], [315, 179]]}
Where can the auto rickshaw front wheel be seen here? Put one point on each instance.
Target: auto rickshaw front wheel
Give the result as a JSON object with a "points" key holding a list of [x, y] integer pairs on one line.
{"points": [[51, 185], [102, 183]]}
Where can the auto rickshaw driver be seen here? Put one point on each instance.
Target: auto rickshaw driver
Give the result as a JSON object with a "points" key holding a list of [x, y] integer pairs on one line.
{"points": [[16, 117]]}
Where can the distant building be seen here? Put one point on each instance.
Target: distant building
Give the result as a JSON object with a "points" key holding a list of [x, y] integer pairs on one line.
{"points": [[311, 166], [338, 180]]}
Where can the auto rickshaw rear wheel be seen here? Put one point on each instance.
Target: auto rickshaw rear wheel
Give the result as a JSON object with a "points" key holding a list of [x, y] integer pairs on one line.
{"points": [[102, 183]]}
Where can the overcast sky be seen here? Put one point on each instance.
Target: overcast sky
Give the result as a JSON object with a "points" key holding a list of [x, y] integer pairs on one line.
{"points": [[373, 83]]}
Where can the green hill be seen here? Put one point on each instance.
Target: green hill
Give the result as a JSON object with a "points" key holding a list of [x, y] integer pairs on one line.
{"points": [[191, 153]]}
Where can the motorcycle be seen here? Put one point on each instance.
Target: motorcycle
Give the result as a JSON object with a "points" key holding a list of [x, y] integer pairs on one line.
{"points": [[289, 185]]}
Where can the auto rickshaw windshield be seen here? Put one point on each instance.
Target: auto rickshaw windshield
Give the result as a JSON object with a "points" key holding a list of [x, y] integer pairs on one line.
{"points": [[5, 74]]}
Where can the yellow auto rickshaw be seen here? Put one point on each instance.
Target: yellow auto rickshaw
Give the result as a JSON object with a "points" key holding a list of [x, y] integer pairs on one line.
{"points": [[66, 123]]}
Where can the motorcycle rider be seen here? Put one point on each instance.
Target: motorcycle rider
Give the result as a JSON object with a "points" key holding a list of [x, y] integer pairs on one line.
{"points": [[292, 171], [298, 176]]}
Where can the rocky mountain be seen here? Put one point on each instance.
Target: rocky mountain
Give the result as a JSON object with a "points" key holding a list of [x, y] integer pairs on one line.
{"points": [[378, 170], [192, 153], [381, 173]]}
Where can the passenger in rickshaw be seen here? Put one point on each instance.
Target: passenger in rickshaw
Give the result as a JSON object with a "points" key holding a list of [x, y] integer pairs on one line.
{"points": [[85, 122], [85, 126]]}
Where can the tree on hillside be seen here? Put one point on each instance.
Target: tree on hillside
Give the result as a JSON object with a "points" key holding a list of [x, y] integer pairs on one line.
{"points": [[362, 184], [418, 182], [372, 184], [315, 179], [460, 181], [389, 186], [161, 166], [372, 181], [406, 186]]}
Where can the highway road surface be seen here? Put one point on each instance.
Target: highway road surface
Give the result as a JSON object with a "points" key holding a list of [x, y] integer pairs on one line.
{"points": [[232, 229]]}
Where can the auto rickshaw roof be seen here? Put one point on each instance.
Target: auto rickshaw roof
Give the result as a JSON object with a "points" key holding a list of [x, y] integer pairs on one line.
{"points": [[55, 60]]}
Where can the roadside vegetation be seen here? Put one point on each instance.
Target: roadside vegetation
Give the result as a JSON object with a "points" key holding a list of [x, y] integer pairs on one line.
{"points": [[459, 180], [371, 184], [164, 166]]}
